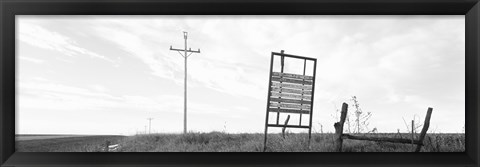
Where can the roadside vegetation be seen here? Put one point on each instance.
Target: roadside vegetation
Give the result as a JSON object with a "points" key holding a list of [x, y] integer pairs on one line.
{"points": [[247, 142]]}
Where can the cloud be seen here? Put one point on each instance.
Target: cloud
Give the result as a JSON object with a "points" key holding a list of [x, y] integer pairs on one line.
{"points": [[40, 37], [43, 93], [60, 88], [138, 43], [98, 88], [30, 59], [143, 40]]}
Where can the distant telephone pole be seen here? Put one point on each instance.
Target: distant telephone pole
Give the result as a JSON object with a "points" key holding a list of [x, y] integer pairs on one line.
{"points": [[185, 34], [149, 124]]}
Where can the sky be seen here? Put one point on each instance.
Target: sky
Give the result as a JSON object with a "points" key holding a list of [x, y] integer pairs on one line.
{"points": [[108, 74]]}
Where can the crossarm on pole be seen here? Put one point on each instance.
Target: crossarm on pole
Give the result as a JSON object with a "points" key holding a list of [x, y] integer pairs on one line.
{"points": [[176, 49], [183, 50]]}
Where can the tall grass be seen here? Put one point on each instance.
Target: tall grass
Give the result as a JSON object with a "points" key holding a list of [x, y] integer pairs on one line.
{"points": [[193, 142], [223, 142], [246, 142]]}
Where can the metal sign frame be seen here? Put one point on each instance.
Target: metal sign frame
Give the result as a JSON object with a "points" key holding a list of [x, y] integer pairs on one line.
{"points": [[273, 74]]}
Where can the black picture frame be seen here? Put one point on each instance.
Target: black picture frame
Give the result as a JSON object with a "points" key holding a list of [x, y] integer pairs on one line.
{"points": [[10, 8]]}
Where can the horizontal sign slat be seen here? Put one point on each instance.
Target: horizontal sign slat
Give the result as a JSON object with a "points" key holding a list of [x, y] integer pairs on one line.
{"points": [[291, 96], [305, 102], [294, 76], [288, 111], [296, 91], [287, 126], [274, 78], [284, 105], [294, 86]]}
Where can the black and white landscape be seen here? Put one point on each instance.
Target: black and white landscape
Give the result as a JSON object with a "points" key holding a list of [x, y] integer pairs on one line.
{"points": [[116, 83]]}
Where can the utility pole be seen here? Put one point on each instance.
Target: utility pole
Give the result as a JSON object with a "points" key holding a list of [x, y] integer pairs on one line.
{"points": [[185, 34], [149, 124]]}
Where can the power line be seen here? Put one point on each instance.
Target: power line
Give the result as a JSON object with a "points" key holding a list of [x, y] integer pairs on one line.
{"points": [[185, 34]]}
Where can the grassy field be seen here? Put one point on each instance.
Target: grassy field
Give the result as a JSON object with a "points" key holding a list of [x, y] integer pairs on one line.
{"points": [[223, 142], [63, 143], [38, 137]]}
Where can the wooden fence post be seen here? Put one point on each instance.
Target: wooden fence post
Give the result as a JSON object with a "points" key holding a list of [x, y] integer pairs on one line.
{"points": [[284, 128], [413, 125], [424, 129], [339, 128], [107, 143]]}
